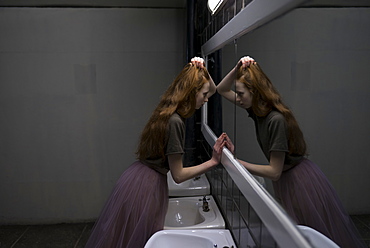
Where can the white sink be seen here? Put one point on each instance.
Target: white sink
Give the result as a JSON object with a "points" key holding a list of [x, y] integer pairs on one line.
{"points": [[192, 187], [187, 213], [199, 238], [316, 238]]}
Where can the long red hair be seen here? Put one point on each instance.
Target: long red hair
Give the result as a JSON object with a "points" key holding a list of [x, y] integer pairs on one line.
{"points": [[179, 97], [265, 99]]}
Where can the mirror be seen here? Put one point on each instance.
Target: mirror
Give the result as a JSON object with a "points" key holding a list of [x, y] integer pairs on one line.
{"points": [[235, 121], [318, 59]]}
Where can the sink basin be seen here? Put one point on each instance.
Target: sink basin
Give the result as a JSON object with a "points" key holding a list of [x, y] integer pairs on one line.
{"points": [[192, 187], [191, 238], [187, 213], [316, 238]]}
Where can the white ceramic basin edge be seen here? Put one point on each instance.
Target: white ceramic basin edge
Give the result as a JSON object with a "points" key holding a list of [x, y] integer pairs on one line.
{"points": [[198, 238]]}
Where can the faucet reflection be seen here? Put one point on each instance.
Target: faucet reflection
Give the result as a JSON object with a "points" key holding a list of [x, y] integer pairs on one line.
{"points": [[205, 204]]}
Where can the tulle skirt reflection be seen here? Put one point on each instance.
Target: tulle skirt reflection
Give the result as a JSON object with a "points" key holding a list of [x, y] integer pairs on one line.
{"points": [[310, 200], [135, 210]]}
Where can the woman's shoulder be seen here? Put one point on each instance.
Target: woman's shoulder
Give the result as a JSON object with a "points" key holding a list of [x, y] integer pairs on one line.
{"points": [[176, 125], [176, 119], [275, 115]]}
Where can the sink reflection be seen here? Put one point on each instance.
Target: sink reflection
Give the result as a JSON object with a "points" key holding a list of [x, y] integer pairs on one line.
{"points": [[199, 238], [316, 238]]}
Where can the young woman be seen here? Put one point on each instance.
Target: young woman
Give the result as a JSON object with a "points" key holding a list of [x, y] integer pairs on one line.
{"points": [[138, 204], [299, 185]]}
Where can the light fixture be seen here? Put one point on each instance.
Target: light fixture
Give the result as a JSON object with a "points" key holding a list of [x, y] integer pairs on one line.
{"points": [[214, 5]]}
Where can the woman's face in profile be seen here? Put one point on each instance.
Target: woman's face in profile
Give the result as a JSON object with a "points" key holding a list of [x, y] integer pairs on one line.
{"points": [[202, 96], [243, 95]]}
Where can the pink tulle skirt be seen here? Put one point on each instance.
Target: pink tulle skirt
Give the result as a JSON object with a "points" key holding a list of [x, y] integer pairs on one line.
{"points": [[310, 200], [135, 210]]}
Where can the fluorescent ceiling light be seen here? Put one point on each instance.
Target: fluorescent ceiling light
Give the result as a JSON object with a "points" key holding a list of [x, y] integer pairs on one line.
{"points": [[213, 5]]}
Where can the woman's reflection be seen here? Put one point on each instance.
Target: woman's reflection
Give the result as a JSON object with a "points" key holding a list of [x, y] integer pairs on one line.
{"points": [[299, 184]]}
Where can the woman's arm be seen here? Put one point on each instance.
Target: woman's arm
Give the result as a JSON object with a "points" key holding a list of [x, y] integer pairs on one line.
{"points": [[199, 62], [181, 174], [224, 87], [272, 171]]}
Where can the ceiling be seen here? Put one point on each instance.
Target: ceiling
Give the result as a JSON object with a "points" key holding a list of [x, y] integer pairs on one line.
{"points": [[156, 3], [95, 3], [337, 3]]}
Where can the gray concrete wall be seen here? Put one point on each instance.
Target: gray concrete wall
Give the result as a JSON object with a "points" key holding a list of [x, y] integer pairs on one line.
{"points": [[319, 61], [76, 88]]}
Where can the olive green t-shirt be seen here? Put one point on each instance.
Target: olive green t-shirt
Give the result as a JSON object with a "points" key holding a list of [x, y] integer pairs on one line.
{"points": [[175, 144], [272, 135]]}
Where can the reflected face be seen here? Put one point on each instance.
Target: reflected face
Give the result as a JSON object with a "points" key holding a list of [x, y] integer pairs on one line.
{"points": [[243, 95], [202, 96]]}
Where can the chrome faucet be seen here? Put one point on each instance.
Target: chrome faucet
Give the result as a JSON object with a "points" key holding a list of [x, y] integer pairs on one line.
{"points": [[205, 204]]}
